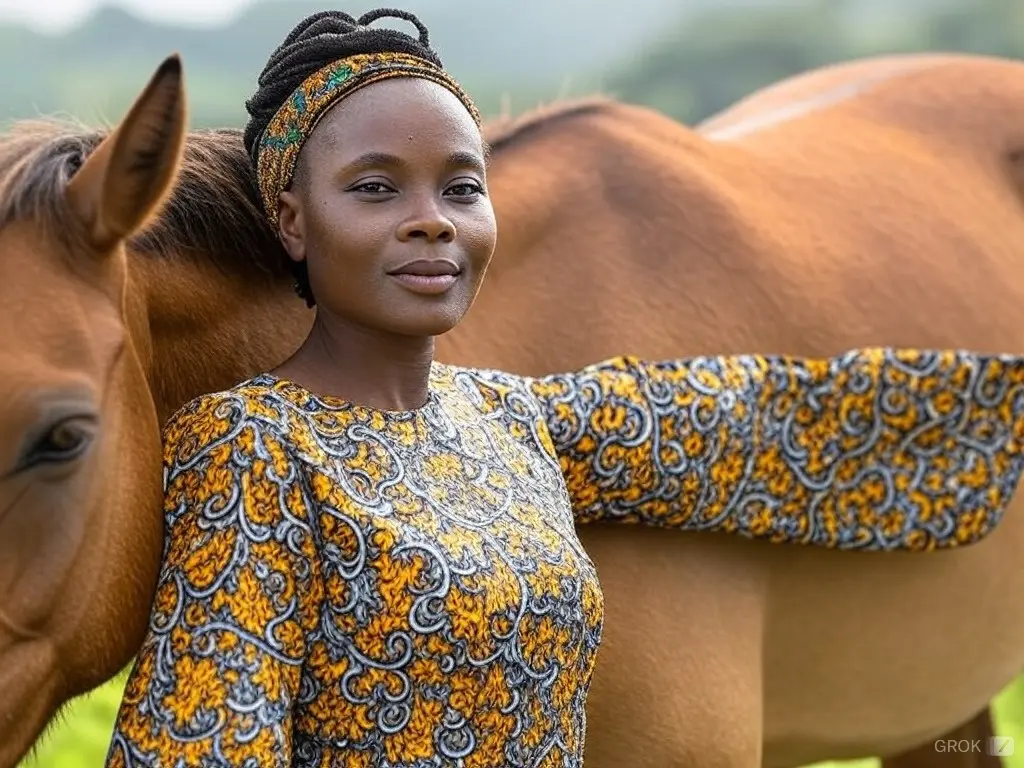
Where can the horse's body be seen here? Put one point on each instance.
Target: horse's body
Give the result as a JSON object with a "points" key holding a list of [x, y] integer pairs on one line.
{"points": [[884, 207], [892, 215]]}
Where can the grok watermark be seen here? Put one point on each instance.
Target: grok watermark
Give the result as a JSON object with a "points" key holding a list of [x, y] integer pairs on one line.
{"points": [[997, 746]]}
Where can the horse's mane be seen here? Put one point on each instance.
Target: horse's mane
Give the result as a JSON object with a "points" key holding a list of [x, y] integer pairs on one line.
{"points": [[37, 157], [214, 210], [500, 133]]}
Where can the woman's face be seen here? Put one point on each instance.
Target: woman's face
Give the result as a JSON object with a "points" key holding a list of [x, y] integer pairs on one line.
{"points": [[389, 209]]}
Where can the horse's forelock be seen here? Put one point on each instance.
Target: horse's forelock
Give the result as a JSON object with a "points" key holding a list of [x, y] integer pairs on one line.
{"points": [[213, 211], [37, 159]]}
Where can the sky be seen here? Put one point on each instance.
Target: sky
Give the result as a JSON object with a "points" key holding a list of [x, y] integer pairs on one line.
{"points": [[60, 14]]}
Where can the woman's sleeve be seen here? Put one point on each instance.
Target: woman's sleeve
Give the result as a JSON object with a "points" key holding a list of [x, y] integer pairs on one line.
{"points": [[876, 449], [217, 676]]}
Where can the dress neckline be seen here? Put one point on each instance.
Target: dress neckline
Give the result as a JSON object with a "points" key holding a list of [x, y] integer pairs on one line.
{"points": [[284, 384]]}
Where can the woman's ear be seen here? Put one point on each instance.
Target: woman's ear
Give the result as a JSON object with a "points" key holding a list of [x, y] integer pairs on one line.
{"points": [[291, 225]]}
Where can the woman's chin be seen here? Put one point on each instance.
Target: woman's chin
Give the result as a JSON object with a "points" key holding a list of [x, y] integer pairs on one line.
{"points": [[436, 322]]}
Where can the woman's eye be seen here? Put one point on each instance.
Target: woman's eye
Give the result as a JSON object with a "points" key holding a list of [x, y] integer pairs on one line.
{"points": [[373, 188], [465, 189]]}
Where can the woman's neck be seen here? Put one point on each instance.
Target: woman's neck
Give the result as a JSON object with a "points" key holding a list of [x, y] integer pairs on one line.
{"points": [[361, 365]]}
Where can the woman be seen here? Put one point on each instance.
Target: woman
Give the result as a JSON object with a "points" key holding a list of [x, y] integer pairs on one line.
{"points": [[371, 558]]}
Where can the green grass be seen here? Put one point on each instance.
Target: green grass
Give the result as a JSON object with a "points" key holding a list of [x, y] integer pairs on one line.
{"points": [[80, 739]]}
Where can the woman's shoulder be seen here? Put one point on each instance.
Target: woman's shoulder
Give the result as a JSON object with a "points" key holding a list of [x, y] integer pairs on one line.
{"points": [[216, 417]]}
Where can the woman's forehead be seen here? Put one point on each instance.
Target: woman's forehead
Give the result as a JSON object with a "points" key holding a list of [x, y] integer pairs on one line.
{"points": [[408, 109]]}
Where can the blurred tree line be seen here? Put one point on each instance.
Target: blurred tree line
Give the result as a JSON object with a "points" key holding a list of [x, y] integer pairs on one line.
{"points": [[689, 60], [720, 55]]}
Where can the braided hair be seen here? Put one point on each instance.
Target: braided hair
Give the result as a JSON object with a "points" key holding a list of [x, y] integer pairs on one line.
{"points": [[316, 41]]}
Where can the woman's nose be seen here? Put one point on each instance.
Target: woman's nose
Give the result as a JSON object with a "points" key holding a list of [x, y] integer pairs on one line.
{"points": [[429, 224]]}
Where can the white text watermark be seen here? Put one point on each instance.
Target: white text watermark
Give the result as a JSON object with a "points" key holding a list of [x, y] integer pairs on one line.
{"points": [[997, 746]]}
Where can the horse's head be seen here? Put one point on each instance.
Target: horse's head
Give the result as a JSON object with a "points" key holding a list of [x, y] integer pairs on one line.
{"points": [[79, 454]]}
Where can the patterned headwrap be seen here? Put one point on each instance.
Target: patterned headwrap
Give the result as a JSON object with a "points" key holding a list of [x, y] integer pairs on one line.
{"points": [[293, 123]]}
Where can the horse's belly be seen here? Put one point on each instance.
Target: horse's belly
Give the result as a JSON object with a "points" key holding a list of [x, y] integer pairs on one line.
{"points": [[861, 654], [870, 655]]}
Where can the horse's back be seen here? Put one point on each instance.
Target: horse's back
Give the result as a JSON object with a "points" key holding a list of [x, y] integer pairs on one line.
{"points": [[973, 100], [810, 90], [896, 191], [778, 210], [914, 125]]}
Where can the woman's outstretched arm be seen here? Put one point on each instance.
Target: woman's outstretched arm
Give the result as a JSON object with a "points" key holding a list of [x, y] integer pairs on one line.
{"points": [[875, 449]]}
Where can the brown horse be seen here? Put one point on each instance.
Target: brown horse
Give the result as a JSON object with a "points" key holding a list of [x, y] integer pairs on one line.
{"points": [[892, 215]]}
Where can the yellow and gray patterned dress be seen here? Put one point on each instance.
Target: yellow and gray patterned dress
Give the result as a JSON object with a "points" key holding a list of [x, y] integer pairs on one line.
{"points": [[344, 586]]}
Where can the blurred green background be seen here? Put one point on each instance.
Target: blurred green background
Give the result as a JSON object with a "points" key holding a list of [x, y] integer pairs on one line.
{"points": [[689, 59]]}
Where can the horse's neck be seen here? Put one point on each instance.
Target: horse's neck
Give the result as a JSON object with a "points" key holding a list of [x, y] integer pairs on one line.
{"points": [[211, 327]]}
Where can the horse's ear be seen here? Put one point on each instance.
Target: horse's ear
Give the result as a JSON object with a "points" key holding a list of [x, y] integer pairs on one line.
{"points": [[124, 181]]}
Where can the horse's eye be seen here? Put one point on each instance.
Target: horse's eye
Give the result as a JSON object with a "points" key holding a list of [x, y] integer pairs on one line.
{"points": [[62, 442]]}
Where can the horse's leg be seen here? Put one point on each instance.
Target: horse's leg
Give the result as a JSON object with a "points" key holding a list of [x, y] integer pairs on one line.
{"points": [[926, 756]]}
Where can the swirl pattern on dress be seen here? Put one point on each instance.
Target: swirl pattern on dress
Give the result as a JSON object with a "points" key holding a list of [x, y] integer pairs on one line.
{"points": [[875, 450], [344, 586]]}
